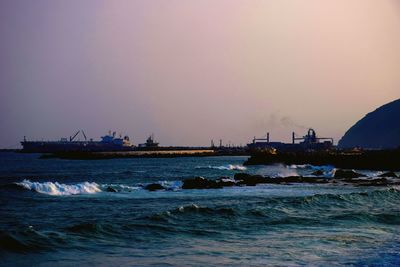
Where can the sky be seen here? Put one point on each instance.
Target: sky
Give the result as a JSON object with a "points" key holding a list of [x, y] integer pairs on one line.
{"points": [[192, 71]]}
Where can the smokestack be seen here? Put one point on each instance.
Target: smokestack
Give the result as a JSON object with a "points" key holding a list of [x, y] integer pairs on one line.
{"points": [[293, 137], [267, 137]]}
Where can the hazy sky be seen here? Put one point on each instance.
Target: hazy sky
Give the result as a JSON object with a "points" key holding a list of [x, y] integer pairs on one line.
{"points": [[190, 71]]}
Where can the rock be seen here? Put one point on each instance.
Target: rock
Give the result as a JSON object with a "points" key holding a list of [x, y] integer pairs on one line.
{"points": [[389, 174], [241, 176], [299, 179], [225, 182], [250, 180], [200, 183], [289, 179], [154, 187], [110, 189], [318, 173], [347, 174]]}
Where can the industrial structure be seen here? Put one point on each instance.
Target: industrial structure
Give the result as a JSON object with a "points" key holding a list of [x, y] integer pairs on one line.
{"points": [[308, 142]]}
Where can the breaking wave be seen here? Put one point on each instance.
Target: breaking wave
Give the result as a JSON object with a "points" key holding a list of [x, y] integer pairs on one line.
{"points": [[60, 189], [171, 185], [229, 167], [312, 167], [57, 189], [329, 170]]}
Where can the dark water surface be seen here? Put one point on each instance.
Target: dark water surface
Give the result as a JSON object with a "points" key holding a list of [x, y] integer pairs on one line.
{"points": [[58, 213]]}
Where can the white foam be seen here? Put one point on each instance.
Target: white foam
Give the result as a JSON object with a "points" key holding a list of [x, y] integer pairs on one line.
{"points": [[328, 170], [57, 189], [171, 185], [229, 167], [299, 166], [228, 180], [287, 173]]}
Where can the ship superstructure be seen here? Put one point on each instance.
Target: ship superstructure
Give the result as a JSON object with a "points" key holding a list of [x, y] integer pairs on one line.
{"points": [[150, 144], [308, 142]]}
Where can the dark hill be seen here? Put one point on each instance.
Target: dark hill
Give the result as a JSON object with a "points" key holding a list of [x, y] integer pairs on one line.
{"points": [[379, 129]]}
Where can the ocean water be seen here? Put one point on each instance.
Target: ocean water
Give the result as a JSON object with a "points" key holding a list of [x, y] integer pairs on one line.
{"points": [[58, 213]]}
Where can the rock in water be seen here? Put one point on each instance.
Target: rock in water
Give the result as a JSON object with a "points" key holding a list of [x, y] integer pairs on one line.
{"points": [[250, 180], [318, 173], [200, 183], [379, 129], [389, 174], [347, 174], [154, 187], [110, 189]]}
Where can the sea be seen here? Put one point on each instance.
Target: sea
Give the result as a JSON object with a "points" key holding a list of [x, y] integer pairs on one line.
{"points": [[57, 212]]}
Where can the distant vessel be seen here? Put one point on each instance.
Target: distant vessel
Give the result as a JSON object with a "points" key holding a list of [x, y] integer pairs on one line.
{"points": [[108, 142], [309, 142], [150, 143]]}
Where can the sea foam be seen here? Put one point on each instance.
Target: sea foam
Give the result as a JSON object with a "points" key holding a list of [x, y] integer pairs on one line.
{"points": [[57, 189], [229, 167]]}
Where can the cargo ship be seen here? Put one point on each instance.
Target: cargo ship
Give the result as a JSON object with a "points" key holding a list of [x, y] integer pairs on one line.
{"points": [[108, 142], [308, 142]]}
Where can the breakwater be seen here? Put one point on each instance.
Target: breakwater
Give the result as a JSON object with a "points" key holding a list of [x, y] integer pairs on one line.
{"points": [[369, 160], [130, 154]]}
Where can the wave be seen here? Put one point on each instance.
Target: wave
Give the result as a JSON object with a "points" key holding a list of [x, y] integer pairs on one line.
{"points": [[29, 240], [301, 210], [229, 167], [60, 189], [171, 185], [328, 170], [312, 167], [388, 196], [378, 206], [57, 189], [192, 209], [94, 229]]}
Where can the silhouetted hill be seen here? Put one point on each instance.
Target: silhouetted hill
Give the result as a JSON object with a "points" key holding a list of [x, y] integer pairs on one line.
{"points": [[378, 129]]}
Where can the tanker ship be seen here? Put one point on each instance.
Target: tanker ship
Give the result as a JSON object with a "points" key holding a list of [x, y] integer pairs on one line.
{"points": [[108, 142]]}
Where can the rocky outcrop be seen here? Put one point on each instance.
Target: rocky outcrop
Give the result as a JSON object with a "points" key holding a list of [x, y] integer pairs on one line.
{"points": [[245, 179], [379, 129], [389, 174], [112, 190], [347, 174], [154, 187], [249, 180], [200, 183], [318, 173]]}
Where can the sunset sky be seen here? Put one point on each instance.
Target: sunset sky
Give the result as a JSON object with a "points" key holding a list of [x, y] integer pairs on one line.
{"points": [[192, 71]]}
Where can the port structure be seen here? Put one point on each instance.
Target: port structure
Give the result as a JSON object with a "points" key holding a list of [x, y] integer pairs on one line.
{"points": [[263, 139], [310, 138], [309, 142]]}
